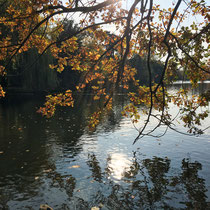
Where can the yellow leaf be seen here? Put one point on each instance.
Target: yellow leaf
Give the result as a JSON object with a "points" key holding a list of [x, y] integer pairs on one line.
{"points": [[74, 166]]}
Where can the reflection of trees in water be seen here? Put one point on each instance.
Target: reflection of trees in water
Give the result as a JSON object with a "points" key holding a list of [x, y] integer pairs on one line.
{"points": [[64, 182], [111, 119], [114, 116], [192, 184], [31, 144], [94, 167], [144, 184], [147, 184]]}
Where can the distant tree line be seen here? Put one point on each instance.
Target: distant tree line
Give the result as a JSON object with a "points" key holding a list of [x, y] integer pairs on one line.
{"points": [[30, 71], [140, 64]]}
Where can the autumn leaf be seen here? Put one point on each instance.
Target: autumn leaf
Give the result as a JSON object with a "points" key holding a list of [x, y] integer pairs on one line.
{"points": [[74, 166]]}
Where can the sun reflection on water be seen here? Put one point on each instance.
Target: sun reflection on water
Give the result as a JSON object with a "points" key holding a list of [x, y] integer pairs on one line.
{"points": [[117, 165]]}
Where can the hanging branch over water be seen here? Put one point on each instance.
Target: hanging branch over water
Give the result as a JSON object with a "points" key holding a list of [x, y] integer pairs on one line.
{"points": [[103, 57]]}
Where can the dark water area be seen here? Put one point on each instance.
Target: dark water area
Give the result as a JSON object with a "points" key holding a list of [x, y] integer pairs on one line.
{"points": [[59, 162]]}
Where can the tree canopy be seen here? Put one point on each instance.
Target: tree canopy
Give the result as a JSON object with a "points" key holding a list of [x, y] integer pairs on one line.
{"points": [[104, 58]]}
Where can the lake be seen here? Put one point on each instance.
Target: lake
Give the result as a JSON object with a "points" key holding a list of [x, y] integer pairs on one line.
{"points": [[59, 162]]}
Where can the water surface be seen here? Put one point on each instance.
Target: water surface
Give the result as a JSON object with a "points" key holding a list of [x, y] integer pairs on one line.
{"points": [[59, 162]]}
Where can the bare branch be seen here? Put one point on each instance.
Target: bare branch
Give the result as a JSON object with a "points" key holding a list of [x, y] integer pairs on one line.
{"points": [[149, 69], [79, 9], [190, 57]]}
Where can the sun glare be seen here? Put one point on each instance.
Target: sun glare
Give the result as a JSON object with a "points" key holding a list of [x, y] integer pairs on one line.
{"points": [[118, 165]]}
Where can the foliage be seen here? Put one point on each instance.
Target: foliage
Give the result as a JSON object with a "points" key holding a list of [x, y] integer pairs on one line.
{"points": [[102, 58], [62, 99]]}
